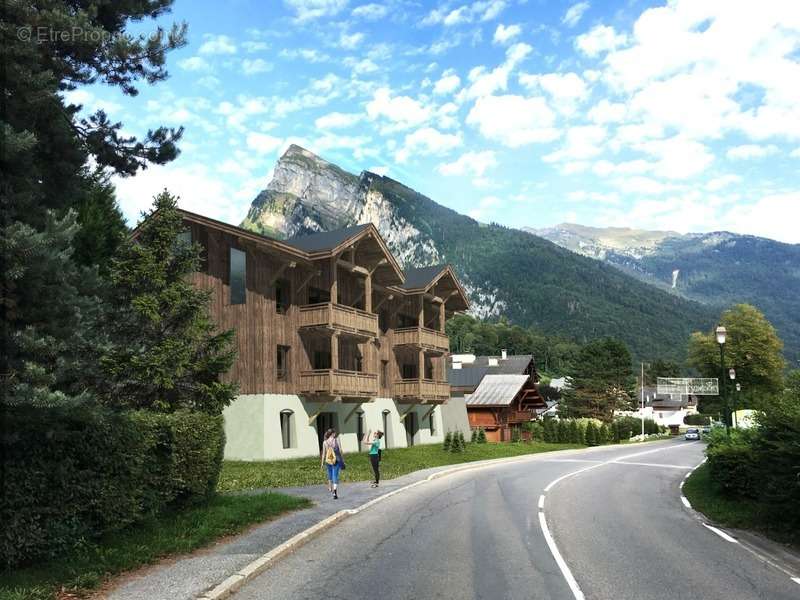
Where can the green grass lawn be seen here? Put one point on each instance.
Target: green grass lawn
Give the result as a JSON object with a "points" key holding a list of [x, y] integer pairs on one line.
{"points": [[175, 532], [241, 475], [707, 498]]}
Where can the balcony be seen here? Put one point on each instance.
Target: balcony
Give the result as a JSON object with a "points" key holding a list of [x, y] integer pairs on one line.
{"points": [[516, 416], [339, 317], [422, 337], [338, 382], [421, 390]]}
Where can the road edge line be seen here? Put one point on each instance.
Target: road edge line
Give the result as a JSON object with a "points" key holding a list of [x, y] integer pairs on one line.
{"points": [[235, 581]]}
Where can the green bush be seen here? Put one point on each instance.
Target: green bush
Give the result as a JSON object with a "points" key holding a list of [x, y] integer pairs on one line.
{"points": [[563, 431], [603, 434], [537, 431], [591, 434], [697, 419], [550, 433], [574, 432], [448, 441], [732, 463], [515, 434], [73, 474]]}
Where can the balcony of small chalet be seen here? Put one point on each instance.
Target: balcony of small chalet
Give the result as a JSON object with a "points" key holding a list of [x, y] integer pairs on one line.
{"points": [[422, 337], [416, 390]]}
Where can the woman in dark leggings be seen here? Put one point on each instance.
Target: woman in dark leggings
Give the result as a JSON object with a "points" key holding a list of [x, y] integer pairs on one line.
{"points": [[375, 454]]}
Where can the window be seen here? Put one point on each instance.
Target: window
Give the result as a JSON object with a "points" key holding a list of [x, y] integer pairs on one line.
{"points": [[406, 320], [185, 237], [432, 423], [428, 368], [318, 295], [282, 298], [282, 363], [322, 359], [386, 428], [286, 428], [360, 429], [237, 276], [384, 373], [409, 371]]}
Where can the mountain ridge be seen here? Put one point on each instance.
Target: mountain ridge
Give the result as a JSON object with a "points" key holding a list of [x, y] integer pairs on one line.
{"points": [[561, 292]]}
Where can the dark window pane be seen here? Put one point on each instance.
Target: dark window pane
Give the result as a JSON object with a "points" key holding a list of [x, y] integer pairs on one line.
{"points": [[237, 276], [318, 295], [286, 428], [282, 300], [322, 359], [282, 363]]}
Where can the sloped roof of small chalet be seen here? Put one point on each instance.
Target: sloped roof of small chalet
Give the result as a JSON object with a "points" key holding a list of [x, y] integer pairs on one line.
{"points": [[497, 390]]}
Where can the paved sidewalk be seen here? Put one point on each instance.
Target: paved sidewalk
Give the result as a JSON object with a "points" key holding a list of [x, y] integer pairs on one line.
{"points": [[188, 576]]}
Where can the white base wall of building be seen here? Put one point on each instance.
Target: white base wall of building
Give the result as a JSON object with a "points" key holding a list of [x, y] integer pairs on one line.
{"points": [[454, 416], [254, 430]]}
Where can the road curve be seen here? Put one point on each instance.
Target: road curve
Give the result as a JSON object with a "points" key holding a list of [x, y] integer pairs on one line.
{"points": [[619, 525]]}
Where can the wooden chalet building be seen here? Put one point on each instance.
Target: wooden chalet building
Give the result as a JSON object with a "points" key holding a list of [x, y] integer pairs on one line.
{"points": [[500, 393], [331, 332]]}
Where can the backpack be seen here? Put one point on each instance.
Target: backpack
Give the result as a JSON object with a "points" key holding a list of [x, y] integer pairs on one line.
{"points": [[330, 456]]}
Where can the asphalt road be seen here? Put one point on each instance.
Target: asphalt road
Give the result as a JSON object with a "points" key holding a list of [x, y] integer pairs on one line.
{"points": [[619, 526]]}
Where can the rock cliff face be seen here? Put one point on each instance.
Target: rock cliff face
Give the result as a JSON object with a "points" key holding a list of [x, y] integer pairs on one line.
{"points": [[308, 194], [506, 272]]}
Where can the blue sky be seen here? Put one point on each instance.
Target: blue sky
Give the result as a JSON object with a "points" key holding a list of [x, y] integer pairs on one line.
{"points": [[682, 115]]}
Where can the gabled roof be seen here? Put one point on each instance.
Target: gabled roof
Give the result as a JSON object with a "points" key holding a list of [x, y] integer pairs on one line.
{"points": [[325, 240], [423, 279], [471, 374], [497, 390]]}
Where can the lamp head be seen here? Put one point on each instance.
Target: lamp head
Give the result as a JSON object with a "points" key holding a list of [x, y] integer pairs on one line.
{"points": [[738, 387], [721, 334], [732, 373]]}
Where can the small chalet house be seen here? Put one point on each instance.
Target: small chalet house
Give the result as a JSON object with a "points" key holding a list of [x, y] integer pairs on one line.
{"points": [[500, 392], [331, 333]]}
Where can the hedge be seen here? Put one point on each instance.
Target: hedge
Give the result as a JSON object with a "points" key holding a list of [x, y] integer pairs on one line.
{"points": [[80, 473]]}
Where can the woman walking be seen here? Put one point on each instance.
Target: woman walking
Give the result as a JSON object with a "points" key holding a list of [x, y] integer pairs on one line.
{"points": [[333, 460], [374, 454]]}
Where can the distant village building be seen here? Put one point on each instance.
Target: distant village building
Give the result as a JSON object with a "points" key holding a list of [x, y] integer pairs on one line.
{"points": [[664, 409], [499, 392], [330, 332]]}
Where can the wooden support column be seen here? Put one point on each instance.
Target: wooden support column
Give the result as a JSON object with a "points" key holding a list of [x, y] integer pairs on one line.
{"points": [[441, 317], [421, 312], [421, 368], [334, 281], [368, 293], [335, 350]]}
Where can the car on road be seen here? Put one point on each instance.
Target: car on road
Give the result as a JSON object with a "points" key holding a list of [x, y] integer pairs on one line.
{"points": [[706, 430], [692, 434]]}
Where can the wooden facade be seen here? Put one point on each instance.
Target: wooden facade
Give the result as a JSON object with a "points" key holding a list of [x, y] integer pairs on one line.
{"points": [[499, 421], [330, 323]]}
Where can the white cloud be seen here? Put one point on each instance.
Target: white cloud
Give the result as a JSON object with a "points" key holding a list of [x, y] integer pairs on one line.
{"points": [[607, 112], [484, 82], [382, 170], [604, 167], [254, 46], [350, 41], [448, 83], [599, 39], [747, 151], [581, 142], [593, 196], [566, 89], [482, 10], [403, 111], [574, 14], [677, 157], [262, 143], [217, 44], [721, 182], [514, 120], [370, 11], [306, 10], [255, 66], [505, 33], [427, 141], [194, 63], [337, 120], [311, 55], [470, 163], [363, 66]]}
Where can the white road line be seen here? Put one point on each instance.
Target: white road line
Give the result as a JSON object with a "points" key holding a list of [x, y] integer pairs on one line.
{"points": [[721, 534], [643, 464], [570, 474], [573, 585], [796, 579], [685, 501], [541, 502], [570, 460]]}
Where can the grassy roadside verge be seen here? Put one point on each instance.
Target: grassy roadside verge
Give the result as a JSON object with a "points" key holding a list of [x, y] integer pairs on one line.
{"points": [[87, 568], [240, 475], [707, 498]]}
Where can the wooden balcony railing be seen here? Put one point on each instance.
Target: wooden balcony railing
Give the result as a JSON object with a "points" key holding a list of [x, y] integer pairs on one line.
{"points": [[338, 382], [516, 416], [422, 337], [337, 316], [424, 389]]}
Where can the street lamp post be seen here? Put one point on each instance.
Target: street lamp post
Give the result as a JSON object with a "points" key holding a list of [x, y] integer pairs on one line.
{"points": [[721, 335], [735, 404]]}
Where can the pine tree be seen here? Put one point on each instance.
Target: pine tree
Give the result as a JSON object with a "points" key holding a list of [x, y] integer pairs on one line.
{"points": [[550, 431], [481, 435], [574, 432], [603, 434], [448, 441], [591, 434], [563, 431], [166, 353]]}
